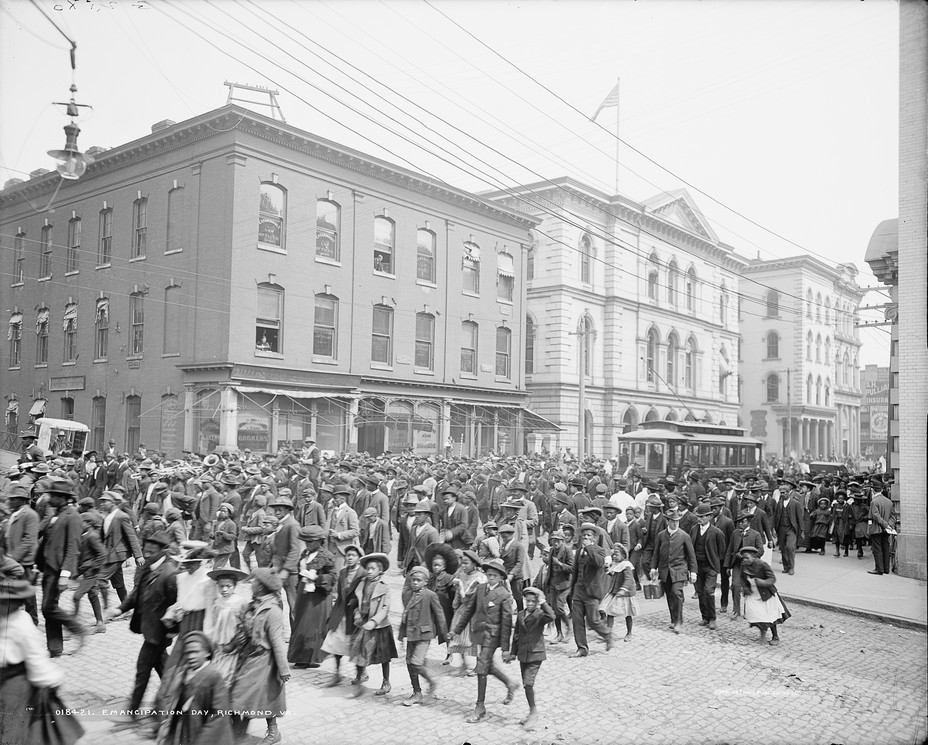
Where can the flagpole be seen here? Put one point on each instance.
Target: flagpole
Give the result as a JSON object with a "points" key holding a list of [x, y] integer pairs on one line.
{"points": [[617, 103]]}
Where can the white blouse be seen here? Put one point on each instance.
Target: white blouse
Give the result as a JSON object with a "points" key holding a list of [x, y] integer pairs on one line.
{"points": [[20, 641]]}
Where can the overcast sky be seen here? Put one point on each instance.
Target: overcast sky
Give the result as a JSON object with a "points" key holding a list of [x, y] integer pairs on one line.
{"points": [[785, 112]]}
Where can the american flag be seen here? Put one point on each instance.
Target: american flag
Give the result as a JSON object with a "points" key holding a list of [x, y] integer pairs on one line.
{"points": [[611, 100]]}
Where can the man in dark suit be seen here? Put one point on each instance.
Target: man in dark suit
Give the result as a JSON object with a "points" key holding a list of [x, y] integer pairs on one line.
{"points": [[455, 528], [119, 540], [21, 539], [787, 520], [286, 549], [616, 528], [709, 546], [881, 521], [724, 523], [673, 563], [744, 535], [490, 606], [557, 581], [420, 536], [155, 591], [587, 588], [57, 558]]}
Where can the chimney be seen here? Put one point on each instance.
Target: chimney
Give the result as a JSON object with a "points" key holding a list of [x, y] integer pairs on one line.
{"points": [[163, 124], [12, 182], [38, 172], [96, 150]]}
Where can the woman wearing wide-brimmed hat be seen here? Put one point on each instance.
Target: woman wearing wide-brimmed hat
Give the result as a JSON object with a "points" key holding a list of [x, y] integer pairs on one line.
{"points": [[341, 621], [372, 643], [225, 618], [310, 616], [262, 672], [28, 677]]}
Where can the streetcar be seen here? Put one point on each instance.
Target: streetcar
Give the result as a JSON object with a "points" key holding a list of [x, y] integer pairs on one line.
{"points": [[662, 448]]}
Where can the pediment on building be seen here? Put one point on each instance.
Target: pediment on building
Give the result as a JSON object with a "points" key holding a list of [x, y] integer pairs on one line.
{"points": [[679, 208]]}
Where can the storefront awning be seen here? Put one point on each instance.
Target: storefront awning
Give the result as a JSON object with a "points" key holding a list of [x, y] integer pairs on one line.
{"points": [[38, 407], [290, 393], [530, 420]]}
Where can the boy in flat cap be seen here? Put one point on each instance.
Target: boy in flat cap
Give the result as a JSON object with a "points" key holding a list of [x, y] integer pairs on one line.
{"points": [[528, 645], [422, 620]]}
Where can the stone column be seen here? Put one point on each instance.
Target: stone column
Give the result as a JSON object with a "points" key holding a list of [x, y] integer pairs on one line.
{"points": [[190, 443], [351, 441], [228, 419]]}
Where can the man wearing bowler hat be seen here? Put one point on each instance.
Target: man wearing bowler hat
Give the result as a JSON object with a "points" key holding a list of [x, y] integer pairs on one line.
{"points": [[21, 538], [455, 525], [674, 563], [286, 549], [421, 535], [709, 546], [343, 526], [587, 588], [787, 520]]}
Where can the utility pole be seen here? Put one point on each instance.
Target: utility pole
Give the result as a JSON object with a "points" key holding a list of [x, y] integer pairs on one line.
{"points": [[789, 413], [581, 335]]}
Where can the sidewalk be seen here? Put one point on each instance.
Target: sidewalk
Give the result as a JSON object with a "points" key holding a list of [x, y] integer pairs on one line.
{"points": [[843, 584]]}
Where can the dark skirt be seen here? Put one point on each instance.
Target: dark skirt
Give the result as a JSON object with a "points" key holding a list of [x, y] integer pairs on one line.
{"points": [[32, 715], [373, 647], [309, 628], [257, 691]]}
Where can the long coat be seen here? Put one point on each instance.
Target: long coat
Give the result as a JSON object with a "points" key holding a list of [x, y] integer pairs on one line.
{"points": [[155, 591], [286, 546], [204, 701], [589, 571], [344, 521], [120, 540], [491, 610], [61, 543], [23, 540], [528, 636], [674, 556], [715, 547], [415, 554]]}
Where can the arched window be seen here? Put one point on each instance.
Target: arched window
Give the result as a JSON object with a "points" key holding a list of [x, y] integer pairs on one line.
{"points": [[630, 420], [469, 332], [587, 339], [328, 221], [139, 227], [689, 364], [505, 277], [809, 304], [272, 212], [177, 222], [818, 348], [586, 254], [653, 276], [773, 345], [724, 371], [529, 345], [652, 415], [827, 391], [818, 308], [673, 350], [384, 236], [671, 416], [530, 262], [691, 289], [845, 368], [827, 350], [673, 278], [171, 332], [809, 343], [425, 341], [809, 385], [827, 311], [105, 247], [818, 391], [269, 331], [14, 335], [652, 356], [425, 255], [471, 268], [503, 352], [325, 327], [723, 305], [69, 323], [41, 333], [773, 388], [773, 304], [382, 335], [839, 369]]}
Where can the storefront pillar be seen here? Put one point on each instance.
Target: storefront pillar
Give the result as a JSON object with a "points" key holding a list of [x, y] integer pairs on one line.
{"points": [[228, 420]]}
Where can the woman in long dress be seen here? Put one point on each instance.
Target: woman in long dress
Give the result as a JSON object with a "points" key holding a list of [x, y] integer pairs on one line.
{"points": [[620, 600], [372, 642], [465, 583], [262, 670], [223, 623], [341, 620], [763, 607], [316, 580]]}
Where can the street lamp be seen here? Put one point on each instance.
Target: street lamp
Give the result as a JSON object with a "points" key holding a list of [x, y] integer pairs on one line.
{"points": [[71, 162]]}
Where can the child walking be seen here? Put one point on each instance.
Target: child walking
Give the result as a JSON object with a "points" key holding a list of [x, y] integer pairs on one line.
{"points": [[620, 600], [372, 642], [423, 619], [528, 645], [763, 607], [223, 622]]}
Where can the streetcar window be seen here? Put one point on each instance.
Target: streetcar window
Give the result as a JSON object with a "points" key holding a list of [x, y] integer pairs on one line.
{"points": [[656, 457], [676, 457], [703, 454], [737, 455], [692, 454], [638, 453], [713, 455], [752, 454]]}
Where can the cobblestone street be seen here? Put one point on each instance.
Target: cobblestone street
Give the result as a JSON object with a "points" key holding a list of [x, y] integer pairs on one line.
{"points": [[835, 678]]}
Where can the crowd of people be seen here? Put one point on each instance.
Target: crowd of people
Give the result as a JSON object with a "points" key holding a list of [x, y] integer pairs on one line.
{"points": [[493, 552]]}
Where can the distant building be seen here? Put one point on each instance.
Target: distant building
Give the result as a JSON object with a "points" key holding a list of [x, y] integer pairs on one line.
{"points": [[641, 298], [874, 412], [232, 281], [802, 390]]}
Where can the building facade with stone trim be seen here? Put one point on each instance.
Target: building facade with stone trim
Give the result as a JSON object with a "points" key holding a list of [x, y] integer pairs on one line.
{"points": [[642, 297], [802, 389], [232, 281]]}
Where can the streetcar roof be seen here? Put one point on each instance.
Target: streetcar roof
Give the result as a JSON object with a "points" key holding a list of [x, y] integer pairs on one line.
{"points": [[659, 435]]}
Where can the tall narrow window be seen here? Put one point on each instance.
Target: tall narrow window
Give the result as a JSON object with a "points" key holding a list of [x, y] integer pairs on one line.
{"points": [[530, 263], [818, 348], [425, 341], [425, 255], [133, 422], [827, 391], [327, 230], [827, 311], [691, 289], [773, 388], [689, 364], [652, 283], [471, 268], [809, 304], [586, 253], [818, 308], [673, 349], [101, 329], [67, 408], [45, 255], [269, 319], [69, 324], [170, 343], [809, 386], [139, 227], [177, 221], [723, 306], [384, 230], [105, 248], [503, 351], [41, 336], [325, 327], [529, 346], [272, 207], [74, 244], [845, 369], [673, 277], [98, 423], [773, 345], [651, 372], [773, 304], [818, 391], [469, 336], [809, 343], [505, 277], [14, 335], [724, 371], [136, 323], [382, 335], [19, 258]]}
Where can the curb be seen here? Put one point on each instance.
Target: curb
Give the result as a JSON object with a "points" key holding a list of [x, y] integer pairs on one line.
{"points": [[908, 623]]}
